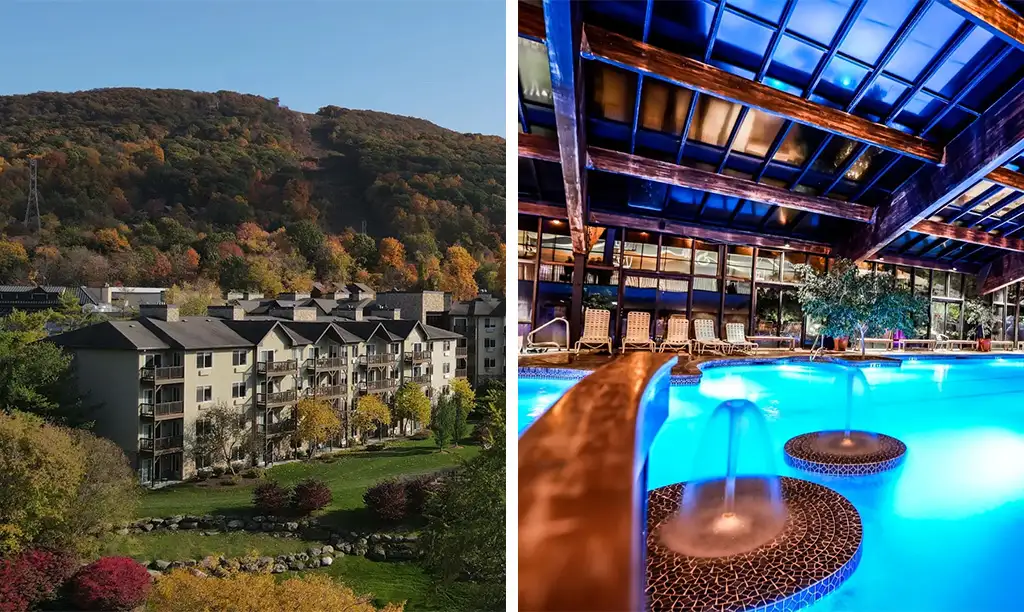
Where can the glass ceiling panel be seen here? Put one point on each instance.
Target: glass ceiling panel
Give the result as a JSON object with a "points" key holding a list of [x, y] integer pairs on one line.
{"points": [[743, 33], [713, 120], [795, 148], [1010, 208], [970, 194], [875, 27], [534, 72], [769, 10], [819, 19], [945, 80], [663, 108], [757, 133], [928, 36], [844, 74], [835, 155], [796, 55], [999, 195]]}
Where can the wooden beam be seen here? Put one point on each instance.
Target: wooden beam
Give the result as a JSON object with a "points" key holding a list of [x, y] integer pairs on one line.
{"points": [[531, 21], [682, 176], [1004, 271], [539, 147], [967, 234], [651, 61], [1007, 178], [994, 16], [901, 260], [996, 137], [542, 209], [563, 22]]}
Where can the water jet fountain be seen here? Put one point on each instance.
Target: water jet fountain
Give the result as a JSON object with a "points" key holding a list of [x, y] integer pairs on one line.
{"points": [[846, 452], [738, 537]]}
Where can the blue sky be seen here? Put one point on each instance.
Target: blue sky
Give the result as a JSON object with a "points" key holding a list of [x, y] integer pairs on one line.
{"points": [[442, 60]]}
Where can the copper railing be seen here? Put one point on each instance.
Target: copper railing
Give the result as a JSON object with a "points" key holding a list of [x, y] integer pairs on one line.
{"points": [[583, 489]]}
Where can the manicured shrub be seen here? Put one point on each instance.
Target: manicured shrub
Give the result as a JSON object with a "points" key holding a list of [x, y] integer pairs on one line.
{"points": [[423, 434], [417, 491], [271, 498], [311, 495], [111, 583], [218, 471], [256, 472], [387, 500], [377, 446], [33, 577]]}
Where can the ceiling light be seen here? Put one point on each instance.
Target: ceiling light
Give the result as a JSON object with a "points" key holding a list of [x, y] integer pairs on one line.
{"points": [[954, 269], [786, 246], [881, 259]]}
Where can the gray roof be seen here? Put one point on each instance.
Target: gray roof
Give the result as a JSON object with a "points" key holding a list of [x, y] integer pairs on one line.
{"points": [[436, 333], [194, 333], [255, 330], [479, 307], [80, 292], [314, 330], [119, 335], [364, 330]]}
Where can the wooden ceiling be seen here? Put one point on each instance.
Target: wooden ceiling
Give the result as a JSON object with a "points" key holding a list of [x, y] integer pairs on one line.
{"points": [[927, 166]]}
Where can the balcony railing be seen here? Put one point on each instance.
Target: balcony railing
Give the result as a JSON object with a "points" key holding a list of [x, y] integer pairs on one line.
{"points": [[279, 398], [169, 443], [279, 428], [377, 360], [163, 374], [460, 373], [146, 409], [327, 363], [276, 368], [378, 386], [170, 409], [417, 356], [422, 379], [327, 391], [461, 351], [146, 444]]}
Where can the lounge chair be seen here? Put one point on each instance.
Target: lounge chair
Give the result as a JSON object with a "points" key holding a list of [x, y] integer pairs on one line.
{"points": [[737, 338], [678, 335], [705, 337], [638, 331], [886, 340], [596, 323]]}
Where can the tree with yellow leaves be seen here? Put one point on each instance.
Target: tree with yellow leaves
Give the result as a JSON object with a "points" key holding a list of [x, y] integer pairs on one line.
{"points": [[183, 591], [370, 412], [411, 404], [13, 260], [318, 421], [457, 272]]}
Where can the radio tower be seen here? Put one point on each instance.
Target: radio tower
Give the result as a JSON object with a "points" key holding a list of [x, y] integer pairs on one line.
{"points": [[33, 195]]}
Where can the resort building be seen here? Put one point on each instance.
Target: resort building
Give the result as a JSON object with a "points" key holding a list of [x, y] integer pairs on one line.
{"points": [[155, 376], [34, 298]]}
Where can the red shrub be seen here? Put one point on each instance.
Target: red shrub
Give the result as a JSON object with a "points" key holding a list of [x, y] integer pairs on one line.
{"points": [[271, 498], [311, 495], [387, 500], [111, 583], [417, 491], [32, 577]]}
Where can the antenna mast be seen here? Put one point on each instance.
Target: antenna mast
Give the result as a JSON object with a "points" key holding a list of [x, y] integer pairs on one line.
{"points": [[33, 195]]}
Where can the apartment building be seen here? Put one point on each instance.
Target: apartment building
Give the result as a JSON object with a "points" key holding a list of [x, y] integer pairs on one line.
{"points": [[156, 376], [482, 322]]}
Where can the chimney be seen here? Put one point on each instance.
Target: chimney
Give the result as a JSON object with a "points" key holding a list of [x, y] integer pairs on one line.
{"points": [[253, 295], [296, 313], [234, 295], [106, 294], [229, 312], [292, 296], [163, 312]]}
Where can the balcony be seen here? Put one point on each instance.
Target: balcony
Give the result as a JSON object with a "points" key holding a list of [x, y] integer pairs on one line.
{"points": [[417, 357], [146, 410], [277, 368], [460, 373], [146, 445], [170, 443], [327, 363], [163, 374], [378, 386], [422, 379], [170, 409], [279, 428], [461, 351], [377, 360], [327, 391], [280, 398]]}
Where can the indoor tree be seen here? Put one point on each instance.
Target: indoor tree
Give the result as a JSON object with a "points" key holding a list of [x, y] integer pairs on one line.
{"points": [[849, 302]]}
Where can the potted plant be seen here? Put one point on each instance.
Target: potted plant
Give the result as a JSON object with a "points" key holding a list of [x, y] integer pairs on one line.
{"points": [[849, 302], [979, 315]]}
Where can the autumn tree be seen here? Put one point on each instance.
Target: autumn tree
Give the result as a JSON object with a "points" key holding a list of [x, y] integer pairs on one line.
{"points": [[219, 433], [193, 299], [253, 238], [234, 274], [442, 421], [318, 422], [396, 271], [465, 399], [411, 404], [457, 272], [13, 261], [370, 413], [110, 240]]}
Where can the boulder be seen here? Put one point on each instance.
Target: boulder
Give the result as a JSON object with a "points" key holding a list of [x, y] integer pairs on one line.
{"points": [[302, 556], [147, 527], [313, 563], [198, 573], [189, 524], [327, 549], [160, 564], [267, 526], [314, 551], [154, 574], [173, 527], [376, 553], [174, 520], [123, 531], [279, 568], [326, 561], [402, 552], [297, 566], [235, 525]]}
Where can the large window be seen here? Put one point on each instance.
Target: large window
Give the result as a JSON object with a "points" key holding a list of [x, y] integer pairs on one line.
{"points": [[555, 242], [606, 246], [640, 251], [672, 297], [676, 255], [706, 259], [769, 266], [739, 262], [790, 262], [638, 294]]}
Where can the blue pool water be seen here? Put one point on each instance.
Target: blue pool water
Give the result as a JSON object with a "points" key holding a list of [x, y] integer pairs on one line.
{"points": [[943, 532], [536, 395]]}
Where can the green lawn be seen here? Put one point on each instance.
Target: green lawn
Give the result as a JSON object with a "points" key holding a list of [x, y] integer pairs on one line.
{"points": [[348, 476], [181, 545]]}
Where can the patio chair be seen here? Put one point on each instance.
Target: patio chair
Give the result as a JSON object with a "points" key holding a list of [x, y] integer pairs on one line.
{"points": [[638, 331], [887, 340], [705, 337], [678, 335], [737, 338], [596, 322]]}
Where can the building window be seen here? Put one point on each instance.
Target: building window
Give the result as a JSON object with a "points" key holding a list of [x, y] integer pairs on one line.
{"points": [[204, 360], [239, 357], [489, 363], [490, 343], [204, 394], [447, 368], [418, 347], [489, 323], [447, 345], [238, 390], [396, 348]]}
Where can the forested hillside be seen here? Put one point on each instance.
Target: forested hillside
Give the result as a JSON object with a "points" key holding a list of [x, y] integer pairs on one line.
{"points": [[157, 187]]}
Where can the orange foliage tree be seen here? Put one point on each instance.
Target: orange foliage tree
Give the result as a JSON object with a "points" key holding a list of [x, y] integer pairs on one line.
{"points": [[457, 272]]}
